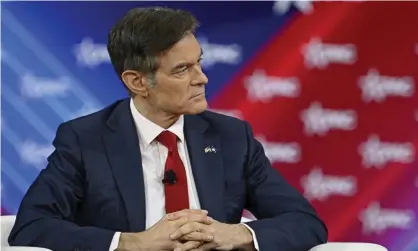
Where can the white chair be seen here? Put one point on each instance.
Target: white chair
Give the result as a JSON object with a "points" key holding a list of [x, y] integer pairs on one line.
{"points": [[348, 246], [339, 246], [7, 223]]}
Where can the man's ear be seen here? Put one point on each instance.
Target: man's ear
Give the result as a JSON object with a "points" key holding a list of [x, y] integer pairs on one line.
{"points": [[136, 82]]}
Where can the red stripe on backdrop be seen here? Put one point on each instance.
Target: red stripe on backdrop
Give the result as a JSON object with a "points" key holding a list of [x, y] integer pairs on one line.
{"points": [[286, 54], [398, 194], [282, 56], [374, 191], [336, 87]]}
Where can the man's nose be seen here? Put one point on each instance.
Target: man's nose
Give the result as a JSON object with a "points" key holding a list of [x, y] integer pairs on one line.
{"points": [[200, 77]]}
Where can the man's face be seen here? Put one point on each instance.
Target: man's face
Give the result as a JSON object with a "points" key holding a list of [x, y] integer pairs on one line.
{"points": [[180, 82]]}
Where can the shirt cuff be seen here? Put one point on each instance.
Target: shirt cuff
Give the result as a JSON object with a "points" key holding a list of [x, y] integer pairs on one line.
{"points": [[115, 241], [254, 236]]}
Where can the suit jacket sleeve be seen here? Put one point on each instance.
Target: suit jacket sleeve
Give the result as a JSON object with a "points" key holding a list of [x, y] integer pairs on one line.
{"points": [[46, 214], [286, 219]]}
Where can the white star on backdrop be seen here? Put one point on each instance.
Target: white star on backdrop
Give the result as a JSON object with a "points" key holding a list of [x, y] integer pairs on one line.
{"points": [[282, 7]]}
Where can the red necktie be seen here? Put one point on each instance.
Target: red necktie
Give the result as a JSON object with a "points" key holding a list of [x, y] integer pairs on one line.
{"points": [[176, 195]]}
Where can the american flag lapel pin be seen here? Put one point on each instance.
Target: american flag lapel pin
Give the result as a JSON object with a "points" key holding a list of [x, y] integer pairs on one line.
{"points": [[210, 149]]}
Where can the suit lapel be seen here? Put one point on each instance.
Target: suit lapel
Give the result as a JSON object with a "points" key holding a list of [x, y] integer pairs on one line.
{"points": [[206, 164], [123, 151]]}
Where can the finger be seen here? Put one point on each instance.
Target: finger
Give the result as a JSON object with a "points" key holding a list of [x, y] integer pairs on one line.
{"points": [[172, 216], [187, 229], [187, 246], [197, 236], [201, 218], [197, 211], [184, 213]]}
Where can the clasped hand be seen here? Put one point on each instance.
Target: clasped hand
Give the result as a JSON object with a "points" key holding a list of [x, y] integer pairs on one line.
{"points": [[215, 235], [188, 230]]}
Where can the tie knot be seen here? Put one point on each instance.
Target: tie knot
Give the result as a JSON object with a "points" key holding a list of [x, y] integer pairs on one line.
{"points": [[168, 139]]}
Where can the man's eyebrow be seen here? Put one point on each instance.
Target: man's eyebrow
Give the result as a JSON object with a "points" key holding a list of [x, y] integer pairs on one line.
{"points": [[179, 66], [183, 64]]}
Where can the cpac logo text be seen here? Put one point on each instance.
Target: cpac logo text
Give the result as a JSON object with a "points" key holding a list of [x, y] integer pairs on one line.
{"points": [[376, 87], [35, 154], [219, 53], [281, 152], [91, 55], [319, 121], [319, 186], [261, 87], [376, 153], [376, 219], [320, 55], [38, 87]]}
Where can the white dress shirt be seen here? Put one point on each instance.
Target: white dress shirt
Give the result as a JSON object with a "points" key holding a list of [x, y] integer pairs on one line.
{"points": [[154, 155]]}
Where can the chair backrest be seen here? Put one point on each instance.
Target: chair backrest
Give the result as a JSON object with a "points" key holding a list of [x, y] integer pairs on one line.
{"points": [[7, 222], [349, 246]]}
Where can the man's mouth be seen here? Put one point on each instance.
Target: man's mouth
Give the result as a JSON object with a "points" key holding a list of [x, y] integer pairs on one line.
{"points": [[198, 95]]}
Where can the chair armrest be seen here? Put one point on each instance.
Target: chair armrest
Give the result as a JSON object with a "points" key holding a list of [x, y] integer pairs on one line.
{"points": [[16, 248], [348, 246]]}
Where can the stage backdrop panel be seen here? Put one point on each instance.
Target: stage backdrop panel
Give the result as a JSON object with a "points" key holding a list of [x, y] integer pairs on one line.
{"points": [[329, 89]]}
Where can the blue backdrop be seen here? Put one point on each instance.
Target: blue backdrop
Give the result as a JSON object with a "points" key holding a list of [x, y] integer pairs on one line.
{"points": [[285, 67], [55, 67]]}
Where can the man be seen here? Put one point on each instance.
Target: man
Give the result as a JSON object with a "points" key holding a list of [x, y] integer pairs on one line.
{"points": [[157, 171]]}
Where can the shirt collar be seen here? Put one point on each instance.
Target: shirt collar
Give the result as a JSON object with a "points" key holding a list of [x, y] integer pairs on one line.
{"points": [[148, 130]]}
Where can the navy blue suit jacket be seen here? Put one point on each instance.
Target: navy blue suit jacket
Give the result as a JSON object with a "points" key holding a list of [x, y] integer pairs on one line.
{"points": [[93, 185]]}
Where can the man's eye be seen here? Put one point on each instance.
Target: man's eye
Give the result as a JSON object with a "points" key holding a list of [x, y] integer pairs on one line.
{"points": [[182, 70]]}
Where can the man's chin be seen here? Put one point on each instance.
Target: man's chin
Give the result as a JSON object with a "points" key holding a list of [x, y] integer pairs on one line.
{"points": [[197, 108]]}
